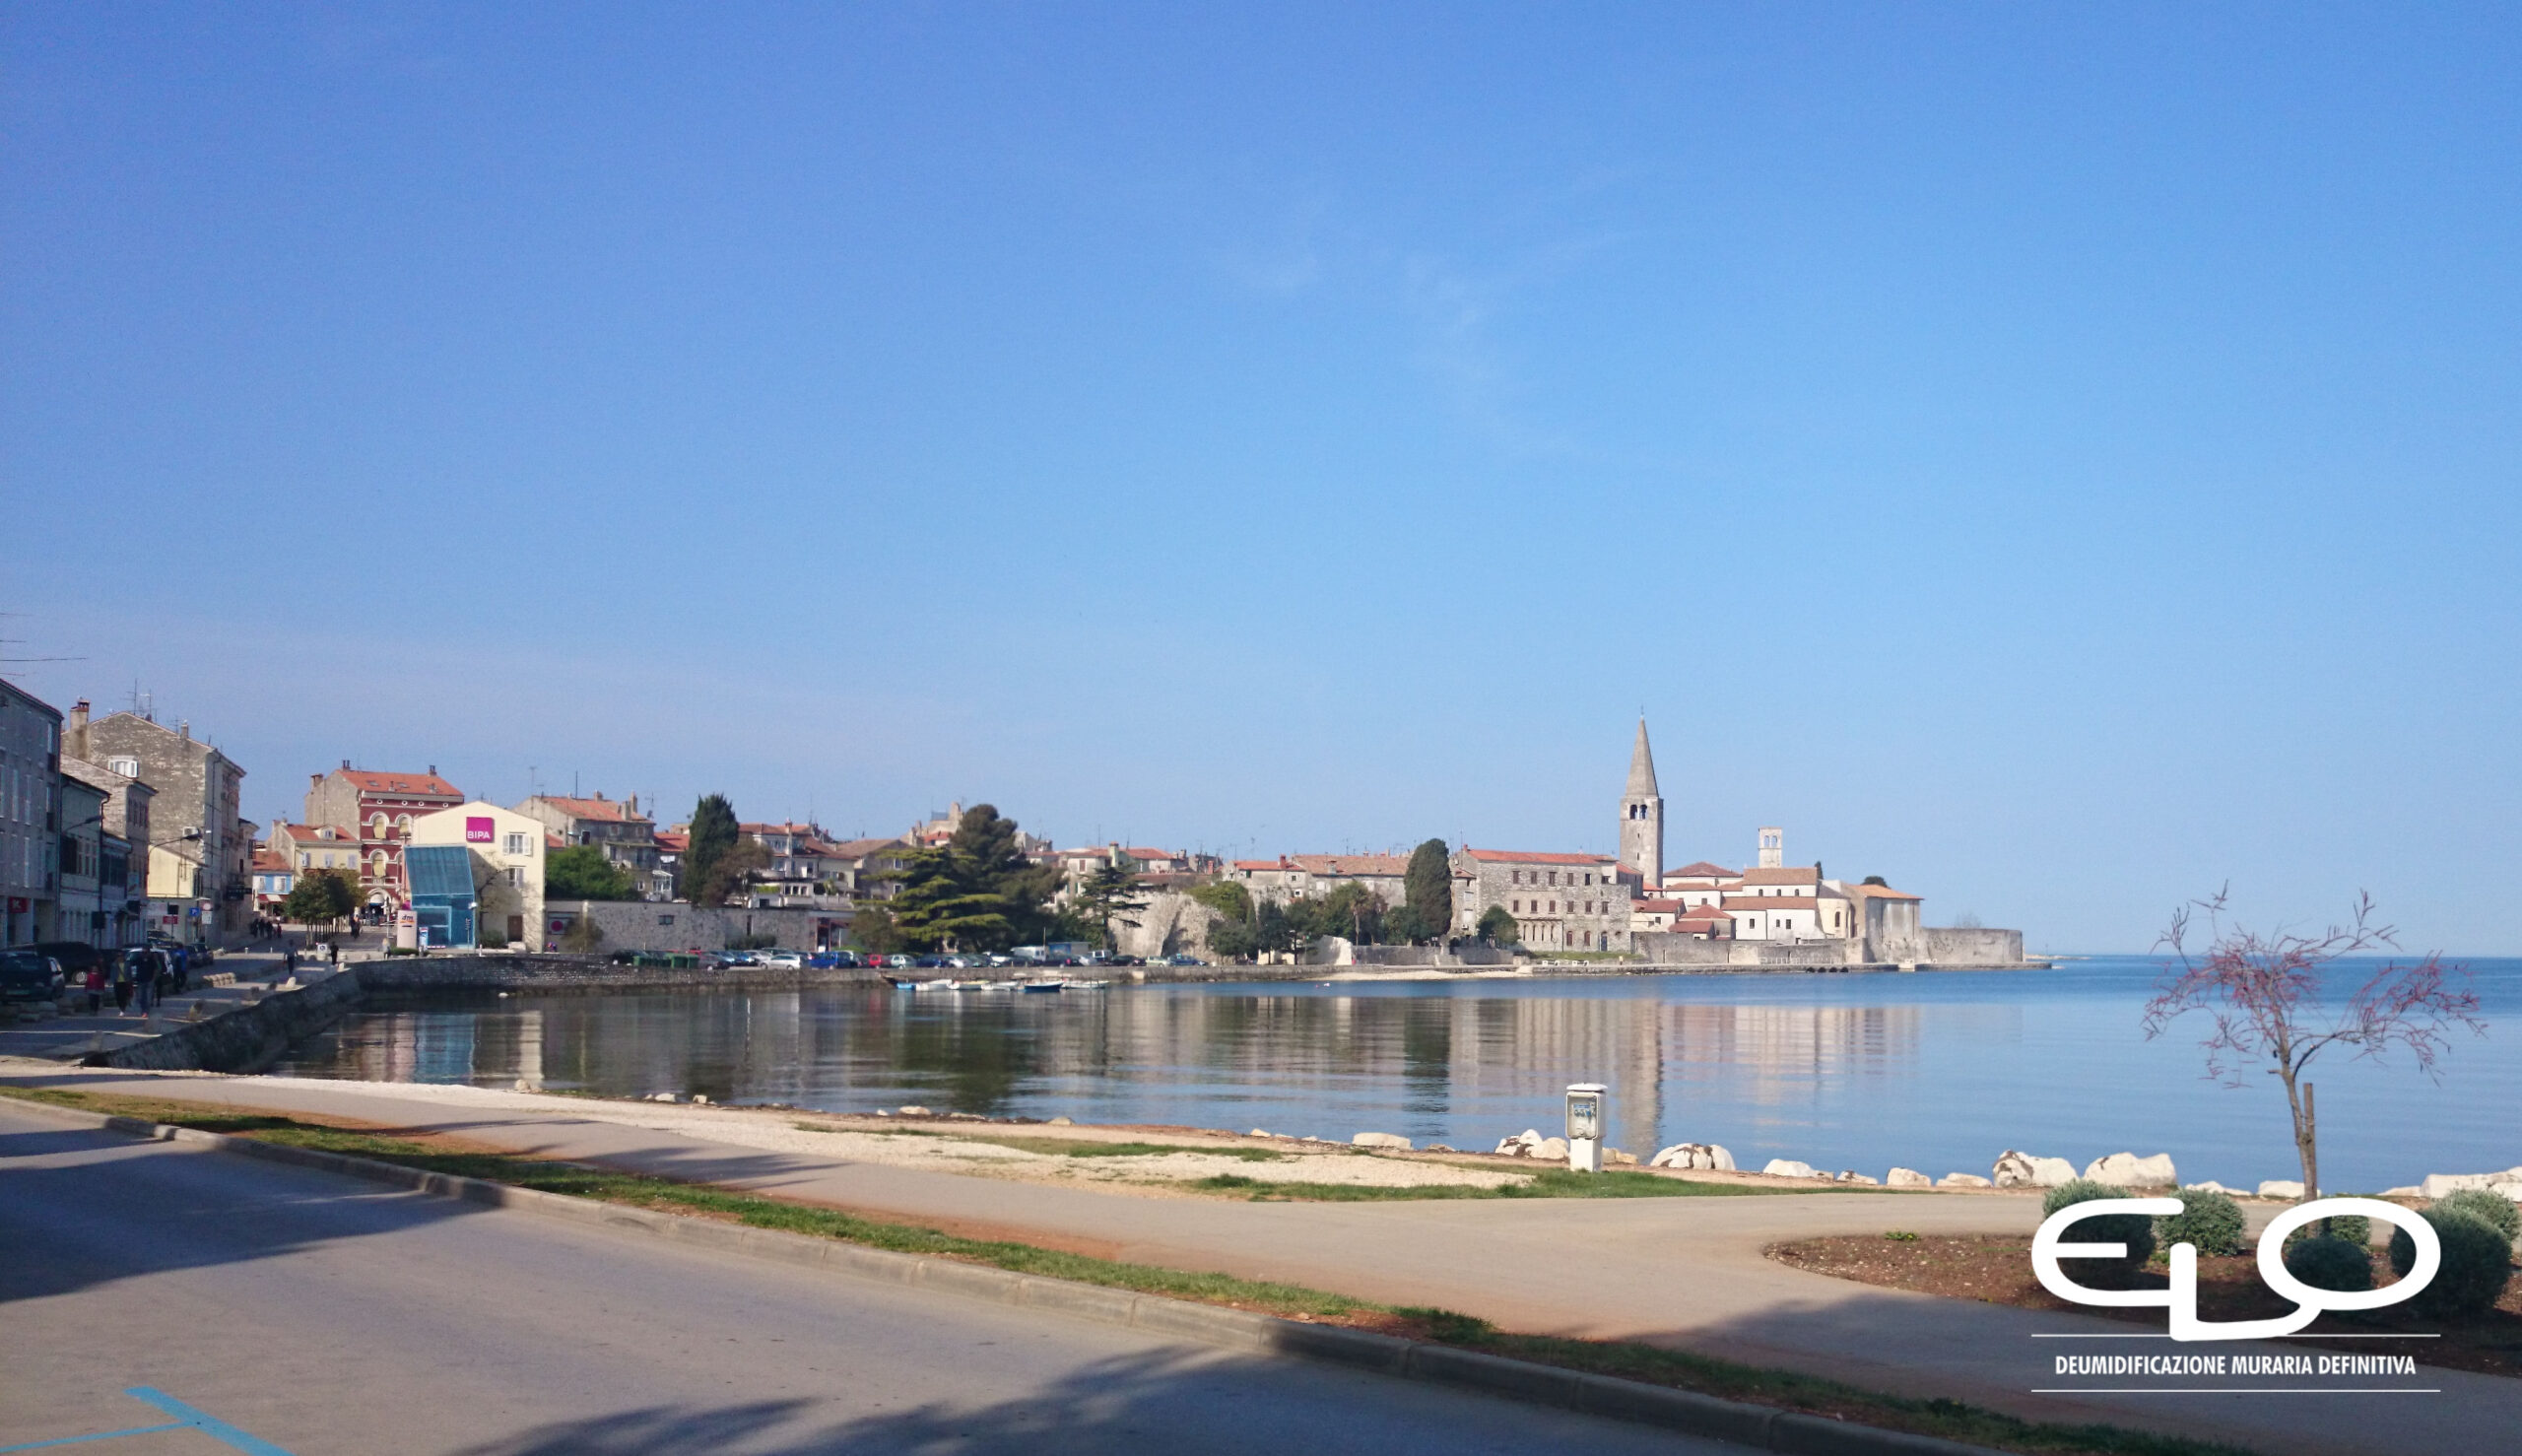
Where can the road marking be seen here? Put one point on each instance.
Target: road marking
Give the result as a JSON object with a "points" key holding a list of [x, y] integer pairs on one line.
{"points": [[187, 1419], [2224, 1390]]}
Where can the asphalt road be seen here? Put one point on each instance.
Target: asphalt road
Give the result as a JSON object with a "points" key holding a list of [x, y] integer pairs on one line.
{"points": [[324, 1315]]}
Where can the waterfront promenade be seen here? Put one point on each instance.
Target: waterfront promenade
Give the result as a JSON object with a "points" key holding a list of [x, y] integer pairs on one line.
{"points": [[1688, 1272]]}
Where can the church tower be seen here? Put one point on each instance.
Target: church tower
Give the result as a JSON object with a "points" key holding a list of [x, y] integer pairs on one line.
{"points": [[1642, 817]]}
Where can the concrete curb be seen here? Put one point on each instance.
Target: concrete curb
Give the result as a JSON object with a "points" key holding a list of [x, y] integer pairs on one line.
{"points": [[1762, 1428]]}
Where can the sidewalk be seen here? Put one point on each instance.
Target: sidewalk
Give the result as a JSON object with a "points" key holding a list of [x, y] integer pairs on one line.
{"points": [[68, 1035], [1685, 1272]]}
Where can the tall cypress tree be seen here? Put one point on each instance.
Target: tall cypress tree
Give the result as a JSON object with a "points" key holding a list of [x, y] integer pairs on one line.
{"points": [[1428, 893], [713, 834]]}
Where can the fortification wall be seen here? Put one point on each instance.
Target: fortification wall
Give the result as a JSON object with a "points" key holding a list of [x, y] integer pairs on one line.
{"points": [[647, 925], [1951, 946]]}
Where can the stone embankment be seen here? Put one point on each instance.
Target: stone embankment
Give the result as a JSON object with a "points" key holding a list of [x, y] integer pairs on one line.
{"points": [[245, 1039]]}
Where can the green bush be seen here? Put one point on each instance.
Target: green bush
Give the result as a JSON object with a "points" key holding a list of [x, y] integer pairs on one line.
{"points": [[2328, 1262], [2476, 1260], [2488, 1207], [2356, 1228], [2136, 1231], [2210, 1220]]}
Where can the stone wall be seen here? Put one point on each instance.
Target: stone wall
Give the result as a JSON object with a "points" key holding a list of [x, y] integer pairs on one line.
{"points": [[248, 1038], [1170, 923], [492, 970], [647, 926], [1951, 946]]}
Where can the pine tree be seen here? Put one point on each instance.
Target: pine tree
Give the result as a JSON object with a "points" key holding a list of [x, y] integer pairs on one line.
{"points": [[1427, 894], [1109, 897]]}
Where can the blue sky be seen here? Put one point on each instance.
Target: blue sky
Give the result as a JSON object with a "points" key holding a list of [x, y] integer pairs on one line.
{"points": [[2062, 459]]}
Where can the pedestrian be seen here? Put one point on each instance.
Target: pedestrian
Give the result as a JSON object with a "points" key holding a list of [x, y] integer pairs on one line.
{"points": [[122, 986], [96, 988], [288, 963], [335, 949], [143, 982]]}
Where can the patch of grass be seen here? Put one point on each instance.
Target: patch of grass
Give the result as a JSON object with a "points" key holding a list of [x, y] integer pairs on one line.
{"points": [[1899, 1235], [1545, 1183], [1949, 1418], [1059, 1147]]}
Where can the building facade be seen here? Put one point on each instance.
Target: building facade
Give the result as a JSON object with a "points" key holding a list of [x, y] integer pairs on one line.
{"points": [[200, 851], [508, 849], [123, 818], [1293, 876], [1559, 902], [379, 809], [615, 827], [29, 817]]}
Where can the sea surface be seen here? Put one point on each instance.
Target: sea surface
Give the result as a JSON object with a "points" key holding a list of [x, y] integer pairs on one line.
{"points": [[1935, 1070]]}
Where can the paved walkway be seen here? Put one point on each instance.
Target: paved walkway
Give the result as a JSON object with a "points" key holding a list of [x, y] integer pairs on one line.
{"points": [[1684, 1272], [68, 1035]]}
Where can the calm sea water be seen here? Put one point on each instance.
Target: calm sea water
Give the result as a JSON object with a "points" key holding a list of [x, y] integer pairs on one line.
{"points": [[1939, 1071]]}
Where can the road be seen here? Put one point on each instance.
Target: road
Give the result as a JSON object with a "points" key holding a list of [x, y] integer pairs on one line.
{"points": [[325, 1315]]}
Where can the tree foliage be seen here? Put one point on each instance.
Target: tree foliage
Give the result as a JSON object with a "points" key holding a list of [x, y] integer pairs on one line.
{"points": [[319, 897], [977, 892], [582, 872], [713, 834], [872, 926], [1498, 927], [1427, 895], [1110, 896], [1226, 897], [731, 874], [2263, 996]]}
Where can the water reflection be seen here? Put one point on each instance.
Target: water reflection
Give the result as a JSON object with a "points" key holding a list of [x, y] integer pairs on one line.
{"points": [[1938, 1072]]}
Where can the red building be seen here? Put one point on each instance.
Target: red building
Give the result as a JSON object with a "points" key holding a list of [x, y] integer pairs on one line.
{"points": [[378, 808]]}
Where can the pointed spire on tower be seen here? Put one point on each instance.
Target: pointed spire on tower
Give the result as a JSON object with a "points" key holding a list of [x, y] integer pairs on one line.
{"points": [[1642, 768]]}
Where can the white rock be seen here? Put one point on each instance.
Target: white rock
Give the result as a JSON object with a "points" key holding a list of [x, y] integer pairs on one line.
{"points": [[1694, 1156], [2408, 1192], [2443, 1186], [1614, 1155], [2210, 1186], [1380, 1140], [1787, 1167], [1258, 1132], [2128, 1170], [1908, 1177], [1852, 1175], [1522, 1145], [1961, 1181], [2280, 1188], [915, 1111], [702, 1098], [1551, 1150], [2511, 1190], [1062, 1123], [2031, 1170]]}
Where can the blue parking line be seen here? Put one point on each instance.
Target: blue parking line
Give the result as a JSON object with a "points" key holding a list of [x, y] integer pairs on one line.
{"points": [[102, 1435], [187, 1419], [207, 1423]]}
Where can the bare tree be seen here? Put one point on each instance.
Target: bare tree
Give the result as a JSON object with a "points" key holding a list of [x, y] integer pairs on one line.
{"points": [[2263, 994]]}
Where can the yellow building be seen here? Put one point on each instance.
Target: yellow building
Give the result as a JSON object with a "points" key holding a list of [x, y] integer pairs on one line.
{"points": [[507, 850]]}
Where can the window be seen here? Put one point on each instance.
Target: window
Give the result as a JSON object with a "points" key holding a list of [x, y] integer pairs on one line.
{"points": [[516, 844], [127, 767], [308, 861], [516, 878], [376, 826]]}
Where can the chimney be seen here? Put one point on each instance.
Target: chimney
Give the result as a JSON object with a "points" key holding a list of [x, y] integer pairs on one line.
{"points": [[346, 765], [184, 726], [314, 782], [433, 771], [78, 734]]}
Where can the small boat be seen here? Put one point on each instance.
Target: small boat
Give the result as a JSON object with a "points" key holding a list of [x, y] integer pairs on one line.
{"points": [[1087, 985], [1000, 986], [1038, 987], [965, 985]]}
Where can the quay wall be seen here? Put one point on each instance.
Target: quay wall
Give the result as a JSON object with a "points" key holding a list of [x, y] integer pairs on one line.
{"points": [[245, 1039]]}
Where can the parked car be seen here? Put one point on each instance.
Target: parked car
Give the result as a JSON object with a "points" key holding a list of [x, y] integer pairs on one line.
{"points": [[997, 957], [928, 962], [77, 958], [828, 960], [28, 975], [784, 959], [1183, 958], [1125, 960]]}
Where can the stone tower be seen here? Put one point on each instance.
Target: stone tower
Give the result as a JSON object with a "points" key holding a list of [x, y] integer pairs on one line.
{"points": [[1772, 848], [1642, 817]]}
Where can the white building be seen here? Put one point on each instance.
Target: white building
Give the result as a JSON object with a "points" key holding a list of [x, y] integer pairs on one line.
{"points": [[509, 852]]}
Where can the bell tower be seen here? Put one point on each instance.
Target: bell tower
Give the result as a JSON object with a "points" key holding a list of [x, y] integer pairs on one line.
{"points": [[1642, 817], [1772, 848]]}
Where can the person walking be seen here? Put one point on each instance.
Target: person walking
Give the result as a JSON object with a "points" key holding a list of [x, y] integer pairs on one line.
{"points": [[95, 982], [144, 981], [122, 985]]}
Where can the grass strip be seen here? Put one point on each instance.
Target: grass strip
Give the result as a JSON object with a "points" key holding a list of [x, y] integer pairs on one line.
{"points": [[1545, 1183], [1650, 1364], [1055, 1147]]}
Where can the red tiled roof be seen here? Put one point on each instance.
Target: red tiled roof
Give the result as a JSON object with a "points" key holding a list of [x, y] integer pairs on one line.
{"points": [[314, 832], [1878, 891], [669, 840], [601, 809], [861, 848], [1701, 871], [1703, 915], [1536, 857], [776, 829], [1771, 903], [552, 840], [375, 781], [1783, 875], [1351, 864], [1259, 864], [269, 859], [1140, 851], [1657, 906]]}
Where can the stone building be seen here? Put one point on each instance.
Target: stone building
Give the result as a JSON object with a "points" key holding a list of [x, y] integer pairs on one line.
{"points": [[200, 856], [123, 818], [1559, 902], [1292, 876], [29, 817], [614, 827], [379, 806]]}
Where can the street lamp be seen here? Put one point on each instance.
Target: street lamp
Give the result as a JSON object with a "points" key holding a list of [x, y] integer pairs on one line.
{"points": [[1585, 1127]]}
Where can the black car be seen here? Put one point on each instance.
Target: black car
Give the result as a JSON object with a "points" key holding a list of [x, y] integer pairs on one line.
{"points": [[77, 958], [28, 975]]}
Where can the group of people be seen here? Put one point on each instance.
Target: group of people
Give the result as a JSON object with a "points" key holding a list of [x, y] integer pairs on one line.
{"points": [[139, 978]]}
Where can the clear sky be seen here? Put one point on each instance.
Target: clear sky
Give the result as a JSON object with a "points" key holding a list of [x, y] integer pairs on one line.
{"points": [[2059, 458]]}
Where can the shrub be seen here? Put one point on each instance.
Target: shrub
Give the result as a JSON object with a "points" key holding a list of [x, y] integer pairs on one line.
{"points": [[2208, 1218], [2136, 1231], [2356, 1228], [2328, 1262], [2477, 1261], [2488, 1207]]}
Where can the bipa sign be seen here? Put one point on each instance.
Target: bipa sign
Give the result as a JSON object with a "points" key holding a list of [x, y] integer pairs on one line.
{"points": [[478, 828], [2182, 1296]]}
